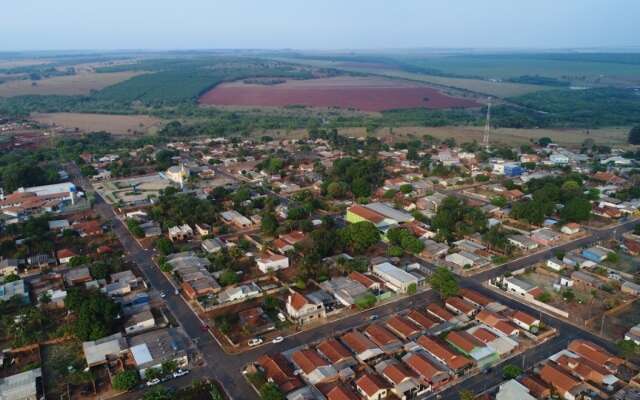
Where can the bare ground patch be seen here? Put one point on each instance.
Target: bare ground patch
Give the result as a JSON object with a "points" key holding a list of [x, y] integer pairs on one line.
{"points": [[81, 83], [116, 124]]}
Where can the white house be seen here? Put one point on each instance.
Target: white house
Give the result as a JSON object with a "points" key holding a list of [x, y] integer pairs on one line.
{"points": [[272, 262], [555, 264], [395, 279], [139, 322], [302, 309]]}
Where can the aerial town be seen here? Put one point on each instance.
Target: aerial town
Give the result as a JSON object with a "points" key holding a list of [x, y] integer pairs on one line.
{"points": [[330, 200], [329, 267]]}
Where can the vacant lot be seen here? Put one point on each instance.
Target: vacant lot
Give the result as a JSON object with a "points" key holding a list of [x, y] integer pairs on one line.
{"points": [[116, 124], [81, 83], [366, 94], [567, 137]]}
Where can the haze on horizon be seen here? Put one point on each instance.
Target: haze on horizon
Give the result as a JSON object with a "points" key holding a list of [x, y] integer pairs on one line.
{"points": [[328, 24]]}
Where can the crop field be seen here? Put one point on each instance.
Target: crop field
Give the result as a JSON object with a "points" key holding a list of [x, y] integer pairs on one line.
{"points": [[366, 94], [478, 86], [116, 124], [81, 83]]}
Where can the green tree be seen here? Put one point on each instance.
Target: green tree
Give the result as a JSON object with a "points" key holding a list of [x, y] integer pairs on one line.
{"points": [[366, 301], [628, 349], [406, 188], [269, 224], [125, 380], [634, 135], [576, 210], [444, 282], [164, 246], [228, 277], [511, 371], [157, 393], [360, 236], [544, 141], [412, 289], [466, 395], [269, 391], [11, 278], [337, 190]]}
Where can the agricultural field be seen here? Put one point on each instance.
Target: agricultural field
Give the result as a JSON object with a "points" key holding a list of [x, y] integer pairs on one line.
{"points": [[116, 124], [573, 138], [362, 93], [78, 84]]}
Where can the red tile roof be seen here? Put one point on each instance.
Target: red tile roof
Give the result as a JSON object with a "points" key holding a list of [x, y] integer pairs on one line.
{"points": [[370, 384], [464, 341], [442, 351], [423, 366], [421, 319], [358, 342], [380, 335], [439, 312], [366, 213], [333, 350], [341, 393], [309, 360], [277, 368], [297, 300], [403, 326]]}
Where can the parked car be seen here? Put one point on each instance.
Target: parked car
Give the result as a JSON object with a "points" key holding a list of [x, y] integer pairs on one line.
{"points": [[373, 317], [277, 339], [163, 294], [255, 341], [153, 381], [180, 372], [281, 317]]}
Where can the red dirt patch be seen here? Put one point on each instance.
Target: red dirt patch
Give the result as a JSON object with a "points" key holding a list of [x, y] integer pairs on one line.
{"points": [[366, 94]]}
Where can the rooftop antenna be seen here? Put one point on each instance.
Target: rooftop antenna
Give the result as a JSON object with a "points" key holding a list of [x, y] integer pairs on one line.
{"points": [[487, 126]]}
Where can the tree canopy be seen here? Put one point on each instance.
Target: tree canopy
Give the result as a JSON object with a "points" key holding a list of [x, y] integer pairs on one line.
{"points": [[444, 282]]}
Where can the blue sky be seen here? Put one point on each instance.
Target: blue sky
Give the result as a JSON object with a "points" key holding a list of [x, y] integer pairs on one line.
{"points": [[319, 24]]}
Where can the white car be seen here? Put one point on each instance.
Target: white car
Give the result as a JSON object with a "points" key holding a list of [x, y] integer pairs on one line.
{"points": [[163, 294], [255, 342], [180, 372], [281, 317], [153, 381], [278, 339]]}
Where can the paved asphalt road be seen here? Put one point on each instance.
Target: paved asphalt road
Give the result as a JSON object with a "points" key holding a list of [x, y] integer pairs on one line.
{"points": [[226, 368]]}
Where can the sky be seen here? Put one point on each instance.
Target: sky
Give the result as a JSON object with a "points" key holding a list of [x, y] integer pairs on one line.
{"points": [[319, 24]]}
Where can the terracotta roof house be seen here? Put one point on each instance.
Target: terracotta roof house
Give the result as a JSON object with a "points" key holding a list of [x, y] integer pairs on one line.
{"points": [[336, 353], [405, 384], [65, 255], [302, 309], [371, 387], [595, 353], [364, 349], [362, 213], [425, 321], [498, 322], [524, 320], [472, 347], [439, 312], [431, 375], [403, 327], [382, 337], [536, 387], [443, 353], [587, 370], [340, 392], [561, 380], [365, 280], [474, 297], [278, 370], [315, 368], [460, 306]]}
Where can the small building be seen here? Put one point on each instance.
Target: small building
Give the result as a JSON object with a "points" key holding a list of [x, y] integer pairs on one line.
{"points": [[303, 310], [139, 322], [631, 288], [555, 264], [570, 229], [13, 289], [272, 262], [364, 349], [26, 385], [395, 278], [78, 276], [595, 254], [212, 245], [105, 350], [64, 256], [513, 390], [371, 387], [522, 242], [180, 233], [524, 320], [152, 349], [383, 338], [235, 218], [315, 368], [431, 374]]}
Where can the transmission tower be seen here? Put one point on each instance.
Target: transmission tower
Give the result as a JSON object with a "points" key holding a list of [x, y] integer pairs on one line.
{"points": [[487, 126]]}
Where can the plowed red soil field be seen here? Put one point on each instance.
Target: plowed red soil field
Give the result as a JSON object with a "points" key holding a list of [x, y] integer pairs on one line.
{"points": [[361, 93]]}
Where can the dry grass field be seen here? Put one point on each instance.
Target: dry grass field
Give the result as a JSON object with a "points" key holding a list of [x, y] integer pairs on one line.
{"points": [[116, 124], [22, 63], [81, 83], [566, 137]]}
